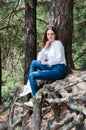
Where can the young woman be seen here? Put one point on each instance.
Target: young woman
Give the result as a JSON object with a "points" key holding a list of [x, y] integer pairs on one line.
{"points": [[50, 63]]}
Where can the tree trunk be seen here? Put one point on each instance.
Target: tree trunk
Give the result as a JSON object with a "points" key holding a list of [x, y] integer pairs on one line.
{"points": [[0, 76], [61, 16], [30, 24], [37, 115]]}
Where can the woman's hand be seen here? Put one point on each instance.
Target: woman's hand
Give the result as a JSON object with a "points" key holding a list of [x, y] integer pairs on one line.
{"points": [[47, 44], [43, 62]]}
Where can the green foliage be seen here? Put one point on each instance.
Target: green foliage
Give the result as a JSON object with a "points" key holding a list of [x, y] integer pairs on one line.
{"points": [[42, 20], [12, 36], [79, 35]]}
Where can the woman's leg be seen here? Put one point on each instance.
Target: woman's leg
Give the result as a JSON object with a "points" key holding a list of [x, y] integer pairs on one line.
{"points": [[55, 73], [36, 65]]}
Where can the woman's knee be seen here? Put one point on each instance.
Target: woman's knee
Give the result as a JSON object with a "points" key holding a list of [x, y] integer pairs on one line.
{"points": [[33, 62], [30, 75], [33, 75]]}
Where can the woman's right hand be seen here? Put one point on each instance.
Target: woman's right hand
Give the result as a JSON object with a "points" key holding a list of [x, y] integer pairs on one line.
{"points": [[47, 44]]}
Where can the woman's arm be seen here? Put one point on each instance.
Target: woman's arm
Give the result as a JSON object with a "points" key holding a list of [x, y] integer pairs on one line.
{"points": [[42, 54]]}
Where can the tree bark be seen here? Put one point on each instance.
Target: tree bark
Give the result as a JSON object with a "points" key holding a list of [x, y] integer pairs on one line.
{"points": [[0, 76], [61, 16], [66, 100], [37, 114], [30, 24]]}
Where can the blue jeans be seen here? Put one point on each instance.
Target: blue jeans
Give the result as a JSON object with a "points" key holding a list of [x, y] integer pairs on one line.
{"points": [[44, 72]]}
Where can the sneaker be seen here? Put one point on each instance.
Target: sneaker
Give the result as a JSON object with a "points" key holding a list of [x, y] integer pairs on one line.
{"points": [[30, 103], [26, 90]]}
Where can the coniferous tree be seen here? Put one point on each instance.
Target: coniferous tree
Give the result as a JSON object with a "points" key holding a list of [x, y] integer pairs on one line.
{"points": [[0, 76], [30, 24], [61, 16]]}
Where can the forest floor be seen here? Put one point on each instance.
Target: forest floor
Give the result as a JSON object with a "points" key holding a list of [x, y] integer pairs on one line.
{"points": [[4, 114]]}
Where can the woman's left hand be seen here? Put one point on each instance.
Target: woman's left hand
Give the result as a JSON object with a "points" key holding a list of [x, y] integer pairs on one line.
{"points": [[43, 62]]}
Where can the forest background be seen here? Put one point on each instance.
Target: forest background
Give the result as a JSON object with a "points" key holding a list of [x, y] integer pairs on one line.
{"points": [[12, 35]]}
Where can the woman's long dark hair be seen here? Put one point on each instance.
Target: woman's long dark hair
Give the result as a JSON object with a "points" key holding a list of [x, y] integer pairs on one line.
{"points": [[45, 35]]}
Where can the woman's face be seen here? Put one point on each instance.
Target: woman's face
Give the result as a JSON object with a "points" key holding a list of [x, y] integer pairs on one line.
{"points": [[51, 35]]}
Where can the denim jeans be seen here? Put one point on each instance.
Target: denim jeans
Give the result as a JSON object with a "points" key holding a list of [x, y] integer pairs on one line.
{"points": [[44, 72]]}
